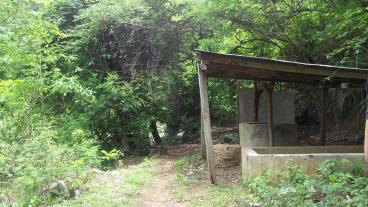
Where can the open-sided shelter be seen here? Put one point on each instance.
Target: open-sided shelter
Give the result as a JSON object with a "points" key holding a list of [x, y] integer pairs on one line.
{"points": [[270, 71]]}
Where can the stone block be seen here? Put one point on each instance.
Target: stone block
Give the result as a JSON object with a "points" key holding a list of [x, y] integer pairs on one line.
{"points": [[226, 155]]}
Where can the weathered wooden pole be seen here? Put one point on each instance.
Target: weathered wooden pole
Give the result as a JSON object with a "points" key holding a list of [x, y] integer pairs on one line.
{"points": [[269, 91], [366, 139], [205, 114], [203, 143], [324, 91], [366, 129]]}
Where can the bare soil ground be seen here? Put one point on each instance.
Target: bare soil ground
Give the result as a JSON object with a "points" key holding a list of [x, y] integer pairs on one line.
{"points": [[159, 193]]}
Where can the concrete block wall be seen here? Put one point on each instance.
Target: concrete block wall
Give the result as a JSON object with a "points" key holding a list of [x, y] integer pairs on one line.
{"points": [[256, 134], [283, 106]]}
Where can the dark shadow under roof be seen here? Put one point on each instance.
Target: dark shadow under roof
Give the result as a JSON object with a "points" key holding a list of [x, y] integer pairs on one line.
{"points": [[254, 68]]}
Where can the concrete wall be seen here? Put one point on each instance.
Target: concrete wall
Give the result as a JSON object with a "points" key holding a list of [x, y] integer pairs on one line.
{"points": [[253, 134], [283, 106], [256, 134], [254, 164]]}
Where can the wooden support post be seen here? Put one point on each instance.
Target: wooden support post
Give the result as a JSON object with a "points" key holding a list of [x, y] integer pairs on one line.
{"points": [[366, 129], [202, 77], [257, 95], [203, 143], [269, 91], [366, 140], [324, 91]]}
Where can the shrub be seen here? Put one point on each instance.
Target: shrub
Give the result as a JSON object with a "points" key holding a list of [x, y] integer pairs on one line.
{"points": [[36, 151], [112, 156], [33, 165], [330, 187]]}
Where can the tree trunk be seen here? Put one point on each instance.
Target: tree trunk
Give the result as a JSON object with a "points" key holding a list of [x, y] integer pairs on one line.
{"points": [[154, 131]]}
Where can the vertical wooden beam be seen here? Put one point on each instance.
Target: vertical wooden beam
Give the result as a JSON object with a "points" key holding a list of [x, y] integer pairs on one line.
{"points": [[257, 94], [202, 77], [203, 143], [366, 129], [324, 91], [269, 91], [366, 140]]}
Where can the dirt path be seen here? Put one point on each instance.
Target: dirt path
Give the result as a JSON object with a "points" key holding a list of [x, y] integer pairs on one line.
{"points": [[145, 183], [159, 193]]}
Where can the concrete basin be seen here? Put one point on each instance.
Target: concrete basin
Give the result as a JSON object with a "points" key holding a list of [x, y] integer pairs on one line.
{"points": [[257, 160]]}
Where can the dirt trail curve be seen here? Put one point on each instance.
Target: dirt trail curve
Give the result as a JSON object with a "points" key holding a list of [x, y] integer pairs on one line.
{"points": [[159, 193]]}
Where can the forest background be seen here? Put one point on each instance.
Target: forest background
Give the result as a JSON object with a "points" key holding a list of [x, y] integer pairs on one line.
{"points": [[82, 80]]}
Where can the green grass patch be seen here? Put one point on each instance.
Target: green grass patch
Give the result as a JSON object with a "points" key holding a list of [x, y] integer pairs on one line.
{"points": [[116, 188], [189, 169]]}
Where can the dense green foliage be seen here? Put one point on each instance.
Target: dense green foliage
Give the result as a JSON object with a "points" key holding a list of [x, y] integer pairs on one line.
{"points": [[81, 76], [330, 187]]}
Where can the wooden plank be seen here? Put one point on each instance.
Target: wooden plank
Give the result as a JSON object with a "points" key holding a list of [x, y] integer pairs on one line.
{"points": [[324, 91], [202, 77], [269, 91]]}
